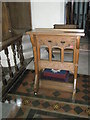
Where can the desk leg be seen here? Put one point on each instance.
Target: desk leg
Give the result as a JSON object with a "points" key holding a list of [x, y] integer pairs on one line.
{"points": [[76, 65], [75, 80], [36, 82], [75, 75], [74, 89]]}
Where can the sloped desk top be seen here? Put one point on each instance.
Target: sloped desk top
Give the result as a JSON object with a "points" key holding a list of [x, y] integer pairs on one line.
{"points": [[51, 31]]}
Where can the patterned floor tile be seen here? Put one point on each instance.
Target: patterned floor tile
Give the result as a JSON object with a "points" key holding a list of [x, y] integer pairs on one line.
{"points": [[20, 113], [56, 93], [35, 103], [46, 104], [53, 106], [85, 97], [25, 83], [80, 97], [53, 100], [66, 108], [78, 109], [86, 91]]}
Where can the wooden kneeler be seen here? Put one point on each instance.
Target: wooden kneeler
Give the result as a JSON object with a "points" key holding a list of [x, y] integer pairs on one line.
{"points": [[56, 38]]}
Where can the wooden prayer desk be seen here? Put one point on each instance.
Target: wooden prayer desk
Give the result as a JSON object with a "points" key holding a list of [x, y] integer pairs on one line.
{"points": [[55, 38]]}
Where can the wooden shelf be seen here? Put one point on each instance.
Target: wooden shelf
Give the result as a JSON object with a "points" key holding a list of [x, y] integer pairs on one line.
{"points": [[57, 85]]}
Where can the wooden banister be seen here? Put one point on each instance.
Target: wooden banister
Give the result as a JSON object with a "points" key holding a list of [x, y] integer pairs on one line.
{"points": [[15, 43], [9, 41]]}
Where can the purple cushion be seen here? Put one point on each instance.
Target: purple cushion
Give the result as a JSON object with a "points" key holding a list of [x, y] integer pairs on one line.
{"points": [[61, 75]]}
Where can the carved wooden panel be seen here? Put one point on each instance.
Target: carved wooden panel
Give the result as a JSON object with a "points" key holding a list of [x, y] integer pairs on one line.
{"points": [[56, 65], [57, 41]]}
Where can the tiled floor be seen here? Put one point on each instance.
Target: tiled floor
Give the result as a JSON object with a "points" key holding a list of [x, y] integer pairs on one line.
{"points": [[51, 103]]}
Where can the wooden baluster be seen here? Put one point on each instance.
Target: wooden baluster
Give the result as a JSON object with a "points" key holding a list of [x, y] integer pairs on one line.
{"points": [[14, 57], [21, 53], [8, 61], [17, 45], [4, 81], [2, 74]]}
